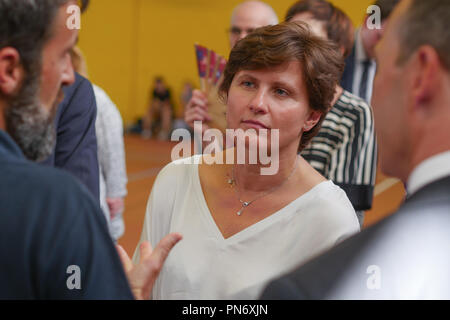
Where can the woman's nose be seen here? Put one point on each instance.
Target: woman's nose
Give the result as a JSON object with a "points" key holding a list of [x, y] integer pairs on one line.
{"points": [[259, 101]]}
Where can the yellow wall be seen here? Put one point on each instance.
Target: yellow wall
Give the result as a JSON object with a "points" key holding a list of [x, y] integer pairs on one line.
{"points": [[128, 42]]}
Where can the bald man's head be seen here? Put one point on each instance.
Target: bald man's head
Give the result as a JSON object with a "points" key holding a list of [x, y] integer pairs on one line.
{"points": [[248, 16]]}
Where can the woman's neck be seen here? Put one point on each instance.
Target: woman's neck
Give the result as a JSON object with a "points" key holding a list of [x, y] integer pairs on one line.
{"points": [[248, 177]]}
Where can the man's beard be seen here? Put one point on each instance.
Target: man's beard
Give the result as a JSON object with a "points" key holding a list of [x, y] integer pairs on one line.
{"points": [[29, 124]]}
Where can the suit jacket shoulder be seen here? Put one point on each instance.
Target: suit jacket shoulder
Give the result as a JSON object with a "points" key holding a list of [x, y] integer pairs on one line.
{"points": [[405, 256], [76, 142]]}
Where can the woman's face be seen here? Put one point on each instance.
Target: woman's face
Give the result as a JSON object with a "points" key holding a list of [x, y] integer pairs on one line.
{"points": [[274, 98]]}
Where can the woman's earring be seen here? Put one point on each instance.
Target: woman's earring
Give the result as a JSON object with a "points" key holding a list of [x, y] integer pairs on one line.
{"points": [[307, 128]]}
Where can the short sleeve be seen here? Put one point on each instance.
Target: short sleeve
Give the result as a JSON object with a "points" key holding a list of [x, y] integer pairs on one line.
{"points": [[160, 204]]}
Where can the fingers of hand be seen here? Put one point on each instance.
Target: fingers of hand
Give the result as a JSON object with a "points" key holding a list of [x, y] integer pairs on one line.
{"points": [[197, 102], [115, 205], [145, 273], [162, 250], [198, 99], [126, 261], [197, 114], [199, 94]]}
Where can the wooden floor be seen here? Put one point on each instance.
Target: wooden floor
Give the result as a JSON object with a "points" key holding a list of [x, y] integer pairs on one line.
{"points": [[145, 158]]}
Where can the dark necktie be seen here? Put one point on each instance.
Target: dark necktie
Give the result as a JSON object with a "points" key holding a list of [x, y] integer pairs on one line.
{"points": [[364, 78]]}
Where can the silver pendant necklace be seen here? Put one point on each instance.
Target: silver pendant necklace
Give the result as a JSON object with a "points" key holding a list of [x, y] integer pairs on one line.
{"points": [[244, 204]]}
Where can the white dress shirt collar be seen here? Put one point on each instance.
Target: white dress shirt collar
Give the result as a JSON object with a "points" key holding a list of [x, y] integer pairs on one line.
{"points": [[430, 170], [360, 58]]}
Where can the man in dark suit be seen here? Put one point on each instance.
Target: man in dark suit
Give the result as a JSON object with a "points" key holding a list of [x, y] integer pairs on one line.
{"points": [[406, 256], [76, 142], [360, 65]]}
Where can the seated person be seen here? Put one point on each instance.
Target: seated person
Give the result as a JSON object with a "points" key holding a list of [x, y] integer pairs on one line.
{"points": [[185, 97], [160, 106], [241, 228]]}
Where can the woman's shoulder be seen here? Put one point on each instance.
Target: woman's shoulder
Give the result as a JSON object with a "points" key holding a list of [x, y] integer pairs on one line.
{"points": [[179, 170], [333, 202], [326, 198], [330, 192], [171, 185], [322, 191]]}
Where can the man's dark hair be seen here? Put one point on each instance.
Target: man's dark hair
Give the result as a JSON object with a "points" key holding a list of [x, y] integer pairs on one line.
{"points": [[386, 7], [426, 23], [26, 25]]}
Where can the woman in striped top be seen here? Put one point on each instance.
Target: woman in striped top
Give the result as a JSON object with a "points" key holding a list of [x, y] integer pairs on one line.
{"points": [[344, 150]]}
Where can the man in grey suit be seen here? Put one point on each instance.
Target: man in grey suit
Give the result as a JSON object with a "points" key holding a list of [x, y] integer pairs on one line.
{"points": [[406, 256]]}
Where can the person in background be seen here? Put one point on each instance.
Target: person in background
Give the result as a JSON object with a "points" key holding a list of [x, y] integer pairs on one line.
{"points": [[360, 65], [344, 150], [76, 143], [406, 255], [185, 97], [186, 94], [248, 16], [111, 153], [160, 106]]}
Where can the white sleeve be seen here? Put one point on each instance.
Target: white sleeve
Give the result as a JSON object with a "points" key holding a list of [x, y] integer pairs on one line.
{"points": [[111, 151], [344, 218], [160, 206], [338, 218]]}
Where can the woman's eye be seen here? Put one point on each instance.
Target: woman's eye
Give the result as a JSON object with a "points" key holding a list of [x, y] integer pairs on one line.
{"points": [[281, 92], [247, 84]]}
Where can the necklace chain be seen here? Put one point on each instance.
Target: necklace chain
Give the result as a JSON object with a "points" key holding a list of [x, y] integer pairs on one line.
{"points": [[245, 204]]}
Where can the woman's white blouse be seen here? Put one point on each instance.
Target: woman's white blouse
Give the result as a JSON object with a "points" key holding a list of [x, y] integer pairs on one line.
{"points": [[204, 265]]}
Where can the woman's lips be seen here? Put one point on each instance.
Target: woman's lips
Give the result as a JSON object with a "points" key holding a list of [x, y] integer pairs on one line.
{"points": [[255, 124]]}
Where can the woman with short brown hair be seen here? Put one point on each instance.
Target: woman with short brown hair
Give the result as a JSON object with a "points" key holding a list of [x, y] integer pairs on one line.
{"points": [[241, 228]]}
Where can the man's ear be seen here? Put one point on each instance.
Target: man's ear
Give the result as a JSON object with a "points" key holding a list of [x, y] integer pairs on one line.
{"points": [[312, 120], [11, 71], [342, 50], [426, 66]]}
